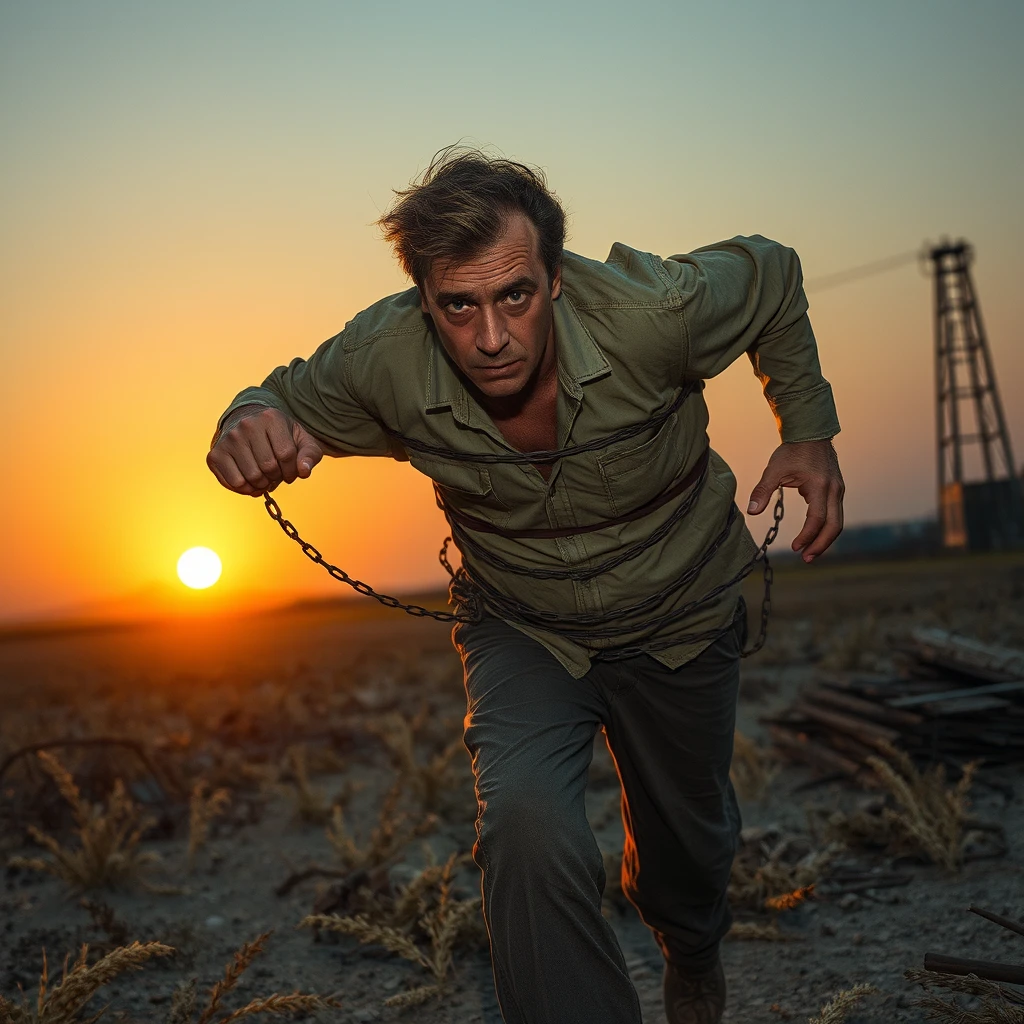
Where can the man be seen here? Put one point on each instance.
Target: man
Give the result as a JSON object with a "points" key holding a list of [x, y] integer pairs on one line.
{"points": [[556, 403]]}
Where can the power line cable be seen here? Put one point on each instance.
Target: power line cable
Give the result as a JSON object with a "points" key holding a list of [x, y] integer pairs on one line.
{"points": [[841, 277]]}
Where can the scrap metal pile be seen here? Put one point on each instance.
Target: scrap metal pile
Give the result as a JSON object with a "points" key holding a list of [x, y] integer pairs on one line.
{"points": [[955, 699]]}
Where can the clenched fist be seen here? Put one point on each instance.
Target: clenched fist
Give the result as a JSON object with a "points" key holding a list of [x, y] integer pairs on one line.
{"points": [[259, 447]]}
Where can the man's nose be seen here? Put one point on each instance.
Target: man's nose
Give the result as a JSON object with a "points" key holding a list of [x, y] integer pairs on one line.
{"points": [[493, 336]]}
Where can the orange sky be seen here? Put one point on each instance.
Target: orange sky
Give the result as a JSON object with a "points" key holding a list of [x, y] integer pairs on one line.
{"points": [[189, 192]]}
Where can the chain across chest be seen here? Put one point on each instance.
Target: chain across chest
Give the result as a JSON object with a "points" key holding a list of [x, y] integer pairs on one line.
{"points": [[474, 598]]}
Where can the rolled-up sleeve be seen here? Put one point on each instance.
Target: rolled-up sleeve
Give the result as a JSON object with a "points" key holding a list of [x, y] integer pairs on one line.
{"points": [[318, 393], [746, 295]]}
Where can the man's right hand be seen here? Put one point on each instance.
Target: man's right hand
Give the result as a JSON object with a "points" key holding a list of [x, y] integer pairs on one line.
{"points": [[259, 447]]}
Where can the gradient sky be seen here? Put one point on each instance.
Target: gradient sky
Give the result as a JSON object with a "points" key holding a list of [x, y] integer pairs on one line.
{"points": [[188, 193]]}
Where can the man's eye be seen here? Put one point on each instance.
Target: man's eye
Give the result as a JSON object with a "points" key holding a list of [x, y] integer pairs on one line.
{"points": [[458, 306], [516, 297]]}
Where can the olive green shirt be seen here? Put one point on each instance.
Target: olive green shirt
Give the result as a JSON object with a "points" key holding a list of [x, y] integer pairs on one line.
{"points": [[629, 333]]}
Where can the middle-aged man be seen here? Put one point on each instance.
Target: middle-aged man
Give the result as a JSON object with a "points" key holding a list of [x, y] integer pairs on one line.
{"points": [[556, 403]]}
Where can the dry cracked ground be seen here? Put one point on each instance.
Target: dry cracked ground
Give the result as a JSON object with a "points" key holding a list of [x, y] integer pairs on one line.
{"points": [[333, 731]]}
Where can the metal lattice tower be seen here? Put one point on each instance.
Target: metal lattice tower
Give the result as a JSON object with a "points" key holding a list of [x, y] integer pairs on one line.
{"points": [[980, 500]]}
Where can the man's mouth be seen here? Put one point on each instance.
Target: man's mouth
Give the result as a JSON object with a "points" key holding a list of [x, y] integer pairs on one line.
{"points": [[497, 369]]}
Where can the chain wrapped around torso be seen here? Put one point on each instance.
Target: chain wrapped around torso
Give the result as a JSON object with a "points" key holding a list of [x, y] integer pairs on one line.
{"points": [[473, 597]]}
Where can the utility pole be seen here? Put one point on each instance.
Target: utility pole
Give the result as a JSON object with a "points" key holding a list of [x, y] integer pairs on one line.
{"points": [[981, 506]]}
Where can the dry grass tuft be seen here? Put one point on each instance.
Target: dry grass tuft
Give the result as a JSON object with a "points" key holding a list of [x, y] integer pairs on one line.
{"points": [[769, 875], [430, 780], [184, 999], [423, 923], [392, 833], [753, 769], [108, 835], [311, 803], [835, 1010], [928, 819], [997, 1005], [64, 1003], [243, 957], [203, 807]]}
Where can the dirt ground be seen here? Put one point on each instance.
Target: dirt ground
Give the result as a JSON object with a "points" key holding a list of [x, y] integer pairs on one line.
{"points": [[293, 711]]}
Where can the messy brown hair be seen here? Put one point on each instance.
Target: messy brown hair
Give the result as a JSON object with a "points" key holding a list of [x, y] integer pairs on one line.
{"points": [[459, 206]]}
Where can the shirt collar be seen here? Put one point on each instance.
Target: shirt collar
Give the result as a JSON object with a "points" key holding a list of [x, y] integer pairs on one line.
{"points": [[580, 361]]}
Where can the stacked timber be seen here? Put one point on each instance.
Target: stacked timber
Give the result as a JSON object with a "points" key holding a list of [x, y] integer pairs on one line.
{"points": [[956, 700]]}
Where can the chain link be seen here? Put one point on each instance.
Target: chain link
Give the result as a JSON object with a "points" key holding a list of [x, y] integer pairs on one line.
{"points": [[274, 510], [769, 576], [476, 607]]}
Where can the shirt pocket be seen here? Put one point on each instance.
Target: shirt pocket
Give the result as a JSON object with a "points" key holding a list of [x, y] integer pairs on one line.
{"points": [[633, 476], [464, 487]]}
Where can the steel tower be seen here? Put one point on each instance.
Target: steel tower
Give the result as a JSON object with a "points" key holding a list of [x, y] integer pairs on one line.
{"points": [[980, 497]]}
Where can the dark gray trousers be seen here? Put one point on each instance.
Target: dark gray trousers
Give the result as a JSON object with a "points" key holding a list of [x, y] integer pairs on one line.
{"points": [[530, 729]]}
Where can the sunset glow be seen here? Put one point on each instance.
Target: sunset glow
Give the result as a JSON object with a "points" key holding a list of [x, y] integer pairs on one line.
{"points": [[199, 568], [189, 198]]}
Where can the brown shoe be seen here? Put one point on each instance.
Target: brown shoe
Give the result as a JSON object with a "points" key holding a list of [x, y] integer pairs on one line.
{"points": [[694, 998]]}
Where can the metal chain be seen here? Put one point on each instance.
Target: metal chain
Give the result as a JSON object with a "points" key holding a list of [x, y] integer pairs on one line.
{"points": [[547, 456], [476, 609], [769, 576], [274, 510]]}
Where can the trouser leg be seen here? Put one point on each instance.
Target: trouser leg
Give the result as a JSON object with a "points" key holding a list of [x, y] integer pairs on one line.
{"points": [[530, 728], [671, 734]]}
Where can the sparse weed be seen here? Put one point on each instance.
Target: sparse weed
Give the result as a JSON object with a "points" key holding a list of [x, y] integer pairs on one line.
{"points": [[183, 1001], [422, 923], [776, 877], [753, 769], [64, 1003], [311, 802], [835, 1010], [387, 840], [928, 819], [428, 780], [108, 835], [997, 1005], [233, 770], [203, 807]]}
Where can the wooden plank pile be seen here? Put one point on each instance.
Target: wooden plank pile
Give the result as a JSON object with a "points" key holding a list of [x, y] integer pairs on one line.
{"points": [[955, 700], [985, 978]]}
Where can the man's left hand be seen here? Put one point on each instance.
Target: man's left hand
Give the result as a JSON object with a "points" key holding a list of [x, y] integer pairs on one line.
{"points": [[813, 469]]}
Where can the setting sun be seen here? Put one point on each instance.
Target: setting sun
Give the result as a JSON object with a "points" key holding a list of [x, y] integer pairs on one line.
{"points": [[199, 568]]}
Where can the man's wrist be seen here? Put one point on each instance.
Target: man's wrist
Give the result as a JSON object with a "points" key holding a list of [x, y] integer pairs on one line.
{"points": [[233, 417]]}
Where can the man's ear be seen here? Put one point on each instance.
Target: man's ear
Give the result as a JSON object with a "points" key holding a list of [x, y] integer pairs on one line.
{"points": [[423, 300], [556, 282]]}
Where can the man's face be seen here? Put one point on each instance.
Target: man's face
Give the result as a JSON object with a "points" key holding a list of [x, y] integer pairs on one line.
{"points": [[493, 313]]}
